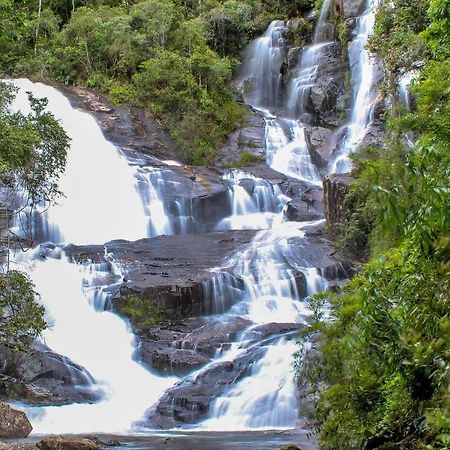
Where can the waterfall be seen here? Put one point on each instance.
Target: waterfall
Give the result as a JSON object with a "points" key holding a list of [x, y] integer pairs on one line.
{"points": [[273, 289], [289, 154], [286, 147], [98, 340], [255, 203], [404, 95], [96, 176], [364, 95], [263, 284], [261, 78], [266, 399]]}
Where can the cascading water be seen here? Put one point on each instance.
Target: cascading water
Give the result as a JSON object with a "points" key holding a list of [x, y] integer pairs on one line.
{"points": [[95, 177], [248, 406], [264, 284], [404, 95], [97, 340], [260, 208], [261, 78], [270, 294], [364, 92], [286, 147], [290, 154]]}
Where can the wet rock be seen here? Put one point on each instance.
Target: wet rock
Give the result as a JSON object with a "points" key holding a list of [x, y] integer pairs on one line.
{"points": [[352, 8], [335, 189], [249, 138], [172, 360], [293, 56], [189, 401], [170, 272], [13, 423], [306, 207], [59, 443], [290, 447], [183, 346], [328, 96], [260, 332], [129, 128], [321, 143], [42, 377]]}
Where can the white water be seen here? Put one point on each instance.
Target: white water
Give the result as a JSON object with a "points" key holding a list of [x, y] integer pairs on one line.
{"points": [[404, 85], [260, 209], [286, 148], [100, 201], [364, 95], [98, 340], [404, 94], [265, 399], [289, 154], [260, 76]]}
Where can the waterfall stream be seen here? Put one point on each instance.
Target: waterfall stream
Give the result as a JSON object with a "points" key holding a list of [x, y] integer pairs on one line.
{"points": [[107, 197], [364, 93]]}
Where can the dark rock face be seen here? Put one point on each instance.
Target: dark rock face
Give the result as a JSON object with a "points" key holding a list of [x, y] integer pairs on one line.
{"points": [[42, 377], [306, 207], [131, 129], [321, 143], [352, 8], [189, 401], [328, 96], [335, 189], [169, 271], [184, 346], [250, 138], [13, 423]]}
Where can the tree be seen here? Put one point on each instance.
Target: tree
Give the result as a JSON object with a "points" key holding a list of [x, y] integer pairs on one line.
{"points": [[33, 151]]}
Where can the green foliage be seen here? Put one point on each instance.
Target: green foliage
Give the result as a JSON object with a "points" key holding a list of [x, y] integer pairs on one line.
{"points": [[386, 345], [33, 151], [247, 159], [21, 317], [33, 148], [126, 49], [141, 311]]}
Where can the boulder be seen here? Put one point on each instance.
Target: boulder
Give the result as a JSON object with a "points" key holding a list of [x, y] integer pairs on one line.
{"points": [[41, 377], [335, 189], [321, 143], [328, 96], [129, 128], [13, 423], [60, 443], [170, 272], [189, 401], [249, 138], [183, 346], [352, 8], [306, 207]]}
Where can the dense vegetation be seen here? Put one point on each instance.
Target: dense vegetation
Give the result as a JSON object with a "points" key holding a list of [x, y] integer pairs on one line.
{"points": [[386, 347], [33, 155], [175, 58]]}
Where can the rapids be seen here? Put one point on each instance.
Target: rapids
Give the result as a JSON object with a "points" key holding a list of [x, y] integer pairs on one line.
{"points": [[107, 196]]}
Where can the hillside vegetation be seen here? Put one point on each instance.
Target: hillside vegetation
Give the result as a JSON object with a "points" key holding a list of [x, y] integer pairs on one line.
{"points": [[175, 58], [385, 368]]}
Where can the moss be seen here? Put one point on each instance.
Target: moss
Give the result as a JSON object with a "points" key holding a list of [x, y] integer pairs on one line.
{"points": [[141, 311]]}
